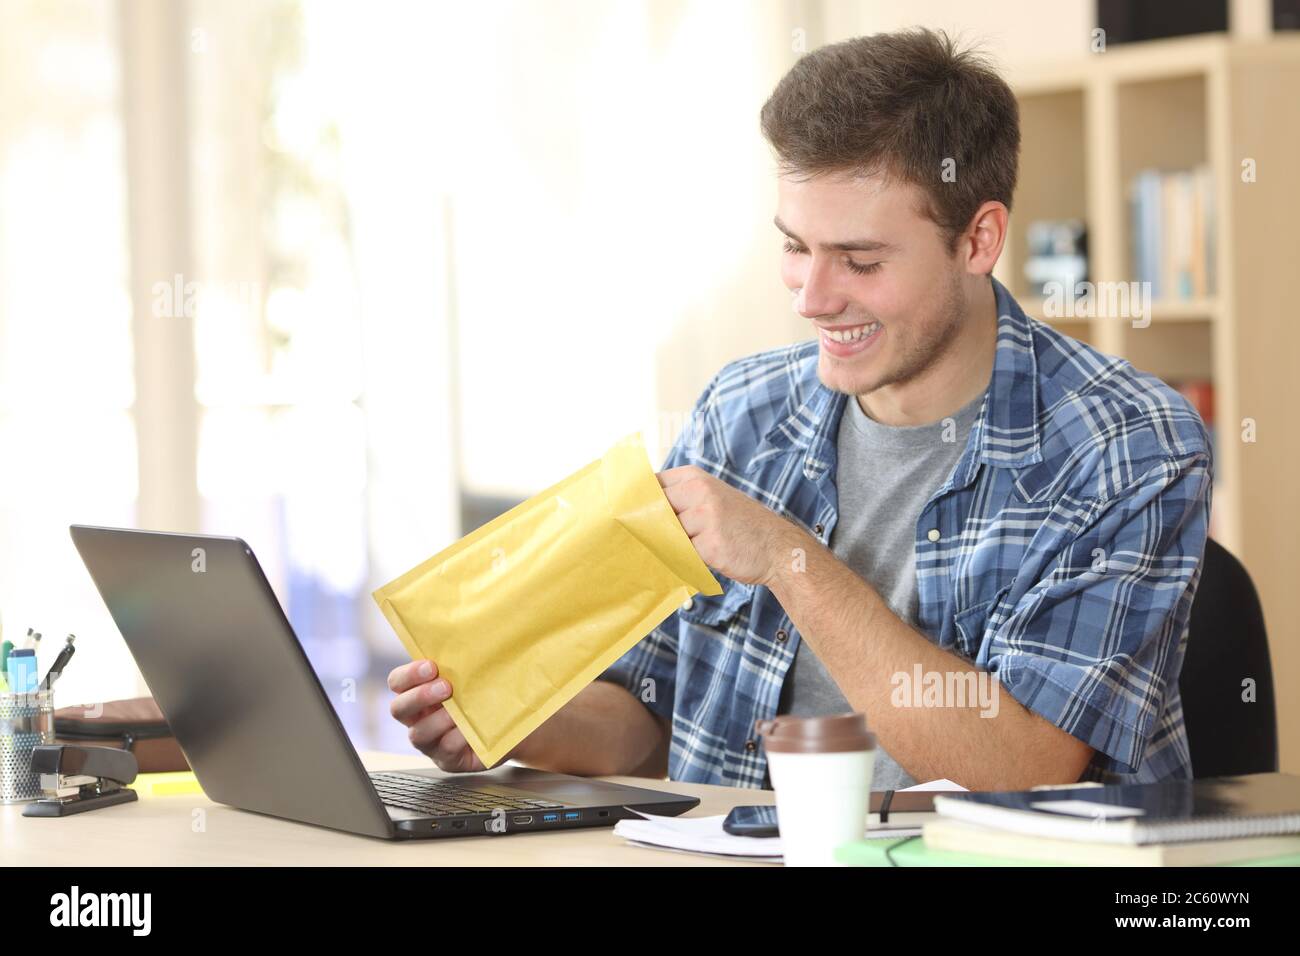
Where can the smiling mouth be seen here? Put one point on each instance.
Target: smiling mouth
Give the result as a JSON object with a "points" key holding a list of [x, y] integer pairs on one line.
{"points": [[847, 334]]}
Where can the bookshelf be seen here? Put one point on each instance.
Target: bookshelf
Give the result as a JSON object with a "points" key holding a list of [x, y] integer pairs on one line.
{"points": [[1089, 127]]}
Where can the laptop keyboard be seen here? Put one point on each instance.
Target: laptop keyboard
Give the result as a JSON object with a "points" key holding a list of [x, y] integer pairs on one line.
{"points": [[409, 791]]}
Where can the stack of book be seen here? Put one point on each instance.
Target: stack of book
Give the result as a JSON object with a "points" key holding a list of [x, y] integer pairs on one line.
{"points": [[1172, 227], [1206, 822]]}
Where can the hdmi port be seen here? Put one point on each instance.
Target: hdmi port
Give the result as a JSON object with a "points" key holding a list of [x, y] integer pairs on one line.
{"points": [[523, 820]]}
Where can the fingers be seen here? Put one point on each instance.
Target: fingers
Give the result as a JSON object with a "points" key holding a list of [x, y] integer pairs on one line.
{"points": [[419, 706], [685, 494], [427, 732], [693, 521], [441, 741], [453, 752], [673, 476], [406, 676], [409, 705]]}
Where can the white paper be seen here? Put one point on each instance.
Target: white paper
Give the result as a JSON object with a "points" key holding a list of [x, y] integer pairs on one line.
{"points": [[698, 834], [706, 835], [1084, 808], [945, 785]]}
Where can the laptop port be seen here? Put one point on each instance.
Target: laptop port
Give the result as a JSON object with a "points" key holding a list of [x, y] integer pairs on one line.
{"points": [[573, 815], [523, 821], [458, 824], [550, 817]]}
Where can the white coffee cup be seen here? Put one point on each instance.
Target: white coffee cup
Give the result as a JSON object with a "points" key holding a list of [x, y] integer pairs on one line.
{"points": [[821, 769]]}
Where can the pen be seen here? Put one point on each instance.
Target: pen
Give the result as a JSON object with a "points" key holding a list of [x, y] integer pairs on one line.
{"points": [[60, 662]]}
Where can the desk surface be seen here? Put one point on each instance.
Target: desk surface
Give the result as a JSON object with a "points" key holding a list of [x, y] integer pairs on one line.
{"points": [[159, 831]]}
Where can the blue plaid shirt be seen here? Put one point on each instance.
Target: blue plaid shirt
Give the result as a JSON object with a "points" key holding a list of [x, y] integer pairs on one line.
{"points": [[1071, 534]]}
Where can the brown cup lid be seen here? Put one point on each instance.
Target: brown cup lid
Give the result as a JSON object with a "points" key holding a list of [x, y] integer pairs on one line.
{"points": [[838, 733]]}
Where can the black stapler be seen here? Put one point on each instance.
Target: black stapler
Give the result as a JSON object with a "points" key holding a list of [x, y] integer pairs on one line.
{"points": [[76, 778]]}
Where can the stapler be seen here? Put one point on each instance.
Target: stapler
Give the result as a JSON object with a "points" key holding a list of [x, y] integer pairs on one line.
{"points": [[76, 778]]}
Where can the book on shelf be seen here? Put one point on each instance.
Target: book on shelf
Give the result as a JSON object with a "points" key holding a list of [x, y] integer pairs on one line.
{"points": [[1172, 232]]}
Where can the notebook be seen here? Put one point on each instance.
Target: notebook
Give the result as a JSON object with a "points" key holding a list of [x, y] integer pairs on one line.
{"points": [[956, 837], [1214, 808]]}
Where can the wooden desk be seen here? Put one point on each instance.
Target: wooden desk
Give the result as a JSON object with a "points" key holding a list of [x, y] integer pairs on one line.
{"points": [[161, 831]]}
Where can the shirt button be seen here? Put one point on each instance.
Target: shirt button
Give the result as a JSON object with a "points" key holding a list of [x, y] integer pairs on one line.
{"points": [[933, 534], [818, 528], [781, 636], [688, 604], [751, 746]]}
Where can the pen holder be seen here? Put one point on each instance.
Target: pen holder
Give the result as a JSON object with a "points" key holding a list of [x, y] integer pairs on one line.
{"points": [[26, 721]]}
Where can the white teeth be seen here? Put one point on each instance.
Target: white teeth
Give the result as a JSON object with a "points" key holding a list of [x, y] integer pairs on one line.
{"points": [[851, 335]]}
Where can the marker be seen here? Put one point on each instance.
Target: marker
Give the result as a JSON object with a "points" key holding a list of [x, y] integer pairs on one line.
{"points": [[22, 671], [60, 662]]}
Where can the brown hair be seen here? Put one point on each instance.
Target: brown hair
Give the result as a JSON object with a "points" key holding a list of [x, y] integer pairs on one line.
{"points": [[900, 104]]}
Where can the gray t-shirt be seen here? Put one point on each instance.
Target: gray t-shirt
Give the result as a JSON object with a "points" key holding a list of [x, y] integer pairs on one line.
{"points": [[885, 476]]}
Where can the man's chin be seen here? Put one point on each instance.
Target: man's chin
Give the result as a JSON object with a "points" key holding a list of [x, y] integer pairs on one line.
{"points": [[840, 375]]}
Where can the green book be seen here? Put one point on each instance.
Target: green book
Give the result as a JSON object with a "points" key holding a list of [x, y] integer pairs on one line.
{"points": [[912, 851]]}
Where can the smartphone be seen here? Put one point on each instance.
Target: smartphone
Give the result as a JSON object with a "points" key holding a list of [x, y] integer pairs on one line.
{"points": [[751, 821], [887, 808]]}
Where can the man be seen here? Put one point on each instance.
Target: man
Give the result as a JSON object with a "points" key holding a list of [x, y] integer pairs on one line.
{"points": [[982, 534]]}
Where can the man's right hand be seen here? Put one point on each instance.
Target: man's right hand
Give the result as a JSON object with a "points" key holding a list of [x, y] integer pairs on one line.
{"points": [[418, 706]]}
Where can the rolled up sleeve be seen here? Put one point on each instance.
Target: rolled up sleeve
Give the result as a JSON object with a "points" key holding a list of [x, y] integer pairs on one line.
{"points": [[1096, 645]]}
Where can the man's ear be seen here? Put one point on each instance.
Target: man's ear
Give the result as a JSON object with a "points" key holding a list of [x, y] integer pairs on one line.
{"points": [[982, 242]]}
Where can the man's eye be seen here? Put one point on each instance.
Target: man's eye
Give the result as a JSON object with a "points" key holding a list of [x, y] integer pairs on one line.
{"points": [[858, 268], [862, 270]]}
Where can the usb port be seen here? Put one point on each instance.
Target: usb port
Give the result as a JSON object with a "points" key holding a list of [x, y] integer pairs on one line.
{"points": [[523, 821], [550, 817], [573, 815]]}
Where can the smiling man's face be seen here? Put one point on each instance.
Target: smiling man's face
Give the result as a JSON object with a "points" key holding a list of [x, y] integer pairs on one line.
{"points": [[873, 275]]}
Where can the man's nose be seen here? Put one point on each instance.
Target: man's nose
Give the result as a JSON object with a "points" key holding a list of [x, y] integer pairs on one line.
{"points": [[818, 295]]}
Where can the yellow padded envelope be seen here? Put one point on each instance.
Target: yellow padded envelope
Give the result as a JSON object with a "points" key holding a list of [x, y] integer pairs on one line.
{"points": [[529, 609]]}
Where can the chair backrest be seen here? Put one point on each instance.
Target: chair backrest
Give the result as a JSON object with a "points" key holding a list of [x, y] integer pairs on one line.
{"points": [[1227, 646]]}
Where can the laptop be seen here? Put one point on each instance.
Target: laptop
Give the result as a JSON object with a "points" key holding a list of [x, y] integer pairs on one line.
{"points": [[257, 727]]}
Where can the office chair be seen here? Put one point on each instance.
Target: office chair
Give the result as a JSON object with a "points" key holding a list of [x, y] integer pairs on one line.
{"points": [[1226, 644]]}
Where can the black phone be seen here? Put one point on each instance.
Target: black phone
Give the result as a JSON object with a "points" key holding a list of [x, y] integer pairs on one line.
{"points": [[886, 806], [752, 822]]}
